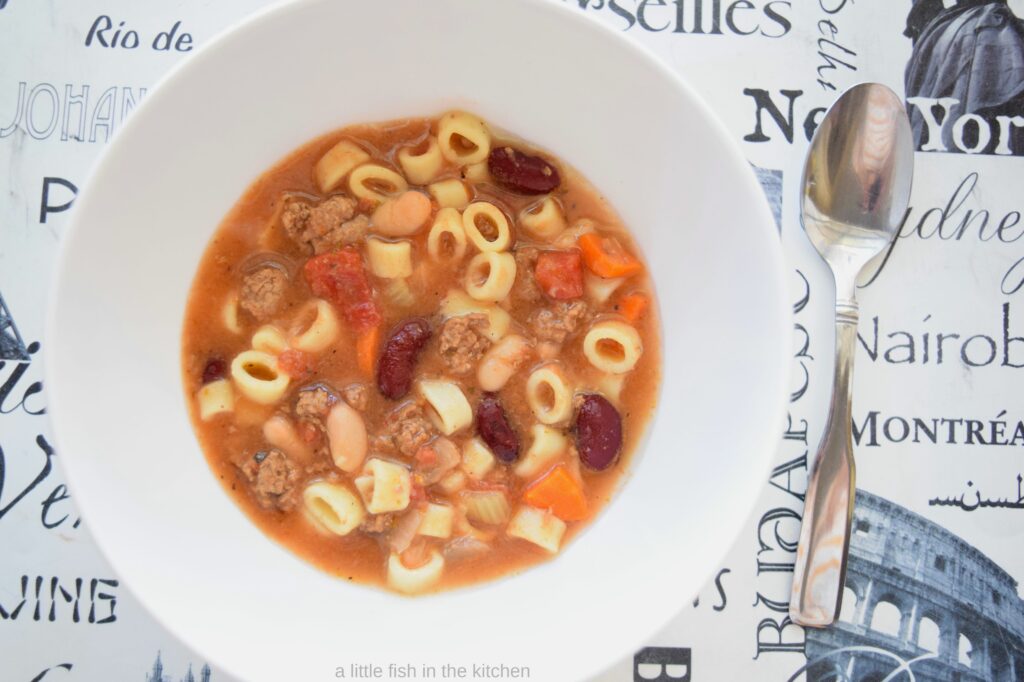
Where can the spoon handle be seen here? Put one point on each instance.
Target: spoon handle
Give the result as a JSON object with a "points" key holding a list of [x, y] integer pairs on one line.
{"points": [[820, 569]]}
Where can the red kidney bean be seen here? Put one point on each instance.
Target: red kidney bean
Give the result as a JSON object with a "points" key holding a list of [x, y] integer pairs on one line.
{"points": [[598, 432], [398, 359], [493, 426], [215, 369], [520, 172]]}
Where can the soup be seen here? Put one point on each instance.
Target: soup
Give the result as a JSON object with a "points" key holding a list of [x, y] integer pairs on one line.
{"points": [[421, 353]]}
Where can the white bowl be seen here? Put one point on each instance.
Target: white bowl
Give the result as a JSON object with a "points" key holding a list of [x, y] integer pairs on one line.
{"points": [[294, 72]]}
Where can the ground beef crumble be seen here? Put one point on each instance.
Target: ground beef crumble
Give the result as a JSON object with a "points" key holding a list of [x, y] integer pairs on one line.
{"points": [[326, 226], [273, 479], [407, 428], [263, 291], [558, 322], [463, 341]]}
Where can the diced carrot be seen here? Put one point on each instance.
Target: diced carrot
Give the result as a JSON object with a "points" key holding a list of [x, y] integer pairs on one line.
{"points": [[632, 306], [560, 274], [605, 257], [559, 492], [366, 349]]}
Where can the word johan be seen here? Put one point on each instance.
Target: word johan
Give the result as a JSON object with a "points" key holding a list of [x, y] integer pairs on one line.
{"points": [[102, 33], [50, 599], [700, 17], [43, 109]]}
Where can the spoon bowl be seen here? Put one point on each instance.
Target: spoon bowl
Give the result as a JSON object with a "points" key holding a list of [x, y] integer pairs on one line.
{"points": [[857, 177]]}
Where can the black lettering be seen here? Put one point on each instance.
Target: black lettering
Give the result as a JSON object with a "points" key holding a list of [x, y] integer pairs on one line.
{"points": [[1005, 225], [738, 5], [58, 494], [831, 62], [164, 39], [780, 645], [991, 347], [939, 338], [794, 434], [764, 103], [783, 22], [974, 435], [871, 350], [1008, 340], [615, 7], [891, 356], [45, 207], [184, 43], [1014, 274], [776, 605], [721, 590], [44, 471], [787, 469], [930, 433], [101, 25], [95, 596], [904, 429], [951, 432], [870, 425], [133, 37], [641, 15], [777, 516], [60, 666]]}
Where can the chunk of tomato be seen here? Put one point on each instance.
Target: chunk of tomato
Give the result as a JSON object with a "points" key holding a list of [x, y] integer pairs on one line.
{"points": [[340, 278], [560, 274]]}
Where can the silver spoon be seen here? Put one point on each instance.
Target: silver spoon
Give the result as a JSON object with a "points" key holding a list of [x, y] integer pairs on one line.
{"points": [[856, 188]]}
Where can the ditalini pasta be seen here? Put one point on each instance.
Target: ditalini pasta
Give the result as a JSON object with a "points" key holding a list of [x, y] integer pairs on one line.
{"points": [[549, 395], [450, 411], [486, 227], [544, 219], [258, 377], [389, 260], [490, 276], [421, 165], [450, 193], [612, 346], [317, 327], [420, 354], [446, 242], [375, 182], [463, 138], [333, 507], [338, 162]]}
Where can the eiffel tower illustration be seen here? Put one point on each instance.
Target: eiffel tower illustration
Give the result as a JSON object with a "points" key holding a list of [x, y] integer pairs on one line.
{"points": [[11, 345]]}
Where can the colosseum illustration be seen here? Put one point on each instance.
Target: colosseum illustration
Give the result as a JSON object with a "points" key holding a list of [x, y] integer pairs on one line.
{"points": [[920, 599]]}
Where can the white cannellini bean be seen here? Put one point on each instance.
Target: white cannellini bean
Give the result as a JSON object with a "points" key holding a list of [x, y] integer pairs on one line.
{"points": [[501, 361], [403, 215], [280, 432], [346, 433]]}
